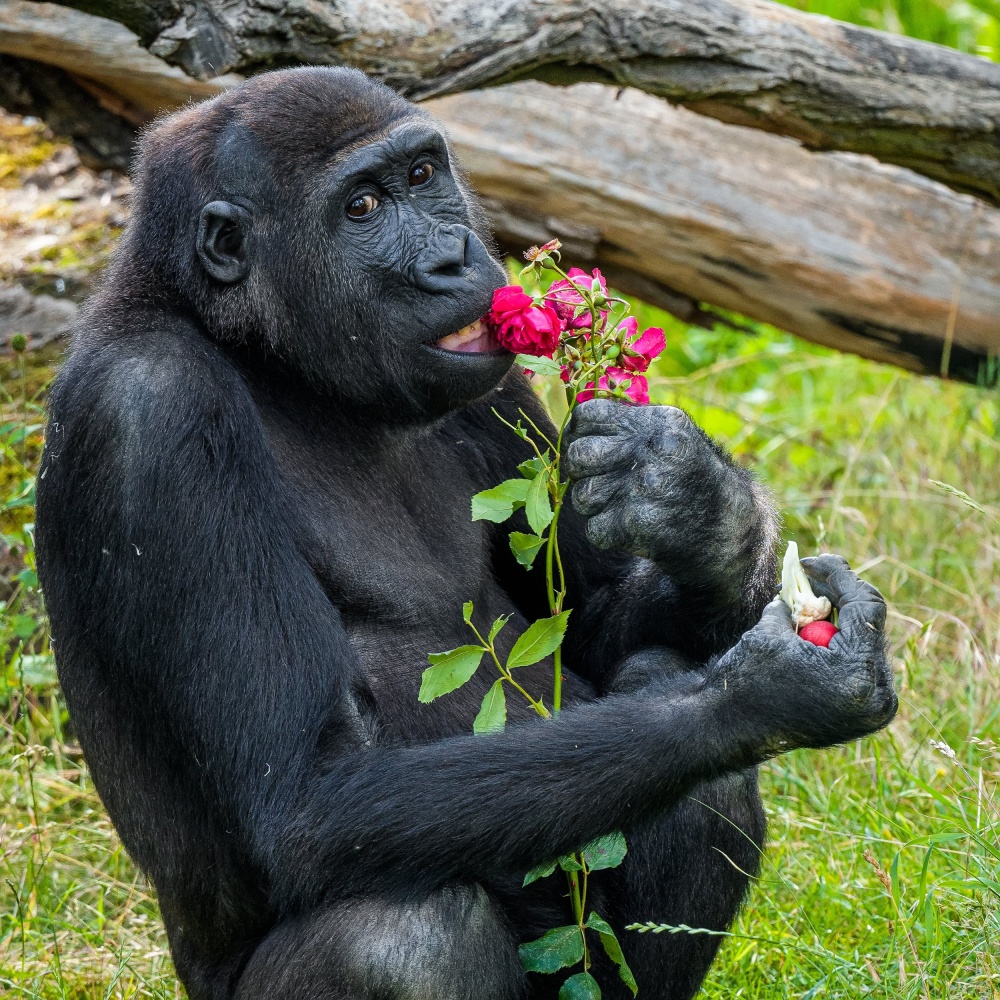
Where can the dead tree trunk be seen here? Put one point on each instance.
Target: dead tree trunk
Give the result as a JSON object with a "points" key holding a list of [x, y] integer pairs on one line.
{"points": [[752, 62], [834, 247]]}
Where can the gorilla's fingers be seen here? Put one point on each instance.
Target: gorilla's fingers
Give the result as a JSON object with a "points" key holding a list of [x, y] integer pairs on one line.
{"points": [[776, 621], [591, 455], [862, 608], [865, 616], [598, 416], [593, 494], [834, 579], [820, 568]]}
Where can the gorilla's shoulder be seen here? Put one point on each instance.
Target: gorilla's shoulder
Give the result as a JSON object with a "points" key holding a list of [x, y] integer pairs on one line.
{"points": [[151, 370]]}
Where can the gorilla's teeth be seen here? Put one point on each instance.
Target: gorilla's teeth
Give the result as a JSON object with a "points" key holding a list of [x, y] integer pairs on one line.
{"points": [[472, 339]]}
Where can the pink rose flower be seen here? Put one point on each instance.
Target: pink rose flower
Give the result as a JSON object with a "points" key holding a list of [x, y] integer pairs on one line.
{"points": [[563, 297], [637, 355], [521, 326], [637, 391]]}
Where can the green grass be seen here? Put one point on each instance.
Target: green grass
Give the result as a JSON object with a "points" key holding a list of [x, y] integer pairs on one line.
{"points": [[849, 448]]}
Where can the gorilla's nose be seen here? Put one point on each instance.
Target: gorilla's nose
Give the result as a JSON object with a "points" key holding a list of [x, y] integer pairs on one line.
{"points": [[448, 260]]}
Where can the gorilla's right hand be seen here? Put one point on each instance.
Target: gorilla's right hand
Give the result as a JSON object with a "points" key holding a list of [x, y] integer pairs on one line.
{"points": [[790, 693]]}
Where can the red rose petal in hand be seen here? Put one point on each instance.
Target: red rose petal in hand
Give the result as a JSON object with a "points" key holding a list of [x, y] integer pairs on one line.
{"points": [[818, 633]]}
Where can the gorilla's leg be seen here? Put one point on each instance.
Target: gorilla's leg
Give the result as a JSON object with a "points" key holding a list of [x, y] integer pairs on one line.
{"points": [[453, 945], [691, 866]]}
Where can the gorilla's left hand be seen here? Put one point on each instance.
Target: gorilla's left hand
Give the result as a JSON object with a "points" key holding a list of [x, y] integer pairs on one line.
{"points": [[653, 484]]}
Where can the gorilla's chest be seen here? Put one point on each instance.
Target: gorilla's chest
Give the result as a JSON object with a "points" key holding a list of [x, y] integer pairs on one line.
{"points": [[393, 544]]}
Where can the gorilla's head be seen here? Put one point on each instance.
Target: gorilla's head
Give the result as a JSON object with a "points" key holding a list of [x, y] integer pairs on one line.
{"points": [[315, 217]]}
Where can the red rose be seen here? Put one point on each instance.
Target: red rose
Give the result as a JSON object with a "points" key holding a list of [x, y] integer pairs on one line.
{"points": [[636, 392], [521, 326], [640, 352], [564, 298]]}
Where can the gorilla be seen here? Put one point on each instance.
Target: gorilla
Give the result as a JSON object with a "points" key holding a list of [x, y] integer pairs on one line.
{"points": [[253, 527]]}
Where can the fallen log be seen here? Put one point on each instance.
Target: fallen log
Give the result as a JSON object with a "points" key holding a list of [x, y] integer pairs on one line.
{"points": [[676, 208], [837, 248], [752, 62]]}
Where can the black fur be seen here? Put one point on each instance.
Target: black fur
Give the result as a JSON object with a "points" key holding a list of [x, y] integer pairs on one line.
{"points": [[253, 524]]}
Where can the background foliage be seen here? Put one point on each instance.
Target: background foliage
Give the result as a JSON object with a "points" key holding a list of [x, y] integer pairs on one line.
{"points": [[969, 25], [882, 878]]}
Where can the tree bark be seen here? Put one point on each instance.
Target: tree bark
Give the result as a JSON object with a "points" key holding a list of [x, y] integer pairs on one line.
{"points": [[750, 62], [837, 248], [675, 208]]}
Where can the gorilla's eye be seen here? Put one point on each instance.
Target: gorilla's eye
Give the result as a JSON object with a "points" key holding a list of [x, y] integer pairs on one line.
{"points": [[420, 173], [361, 206]]}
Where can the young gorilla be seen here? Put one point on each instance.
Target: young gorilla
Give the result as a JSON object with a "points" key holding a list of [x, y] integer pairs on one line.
{"points": [[253, 520]]}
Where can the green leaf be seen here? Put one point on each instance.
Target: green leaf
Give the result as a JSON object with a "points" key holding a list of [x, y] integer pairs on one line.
{"points": [[538, 872], [568, 863], [525, 547], [497, 625], [500, 502], [23, 626], [605, 852], [28, 578], [492, 715], [448, 671], [467, 612], [613, 949], [582, 986], [532, 466], [554, 950], [536, 504], [538, 640], [540, 366]]}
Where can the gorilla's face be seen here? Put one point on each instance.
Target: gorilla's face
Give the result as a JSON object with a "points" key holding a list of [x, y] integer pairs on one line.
{"points": [[369, 277]]}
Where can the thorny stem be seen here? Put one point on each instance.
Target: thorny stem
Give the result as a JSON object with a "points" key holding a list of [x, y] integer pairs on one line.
{"points": [[589, 373], [553, 556]]}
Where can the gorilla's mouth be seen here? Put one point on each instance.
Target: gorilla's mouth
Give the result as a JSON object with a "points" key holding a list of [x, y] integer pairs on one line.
{"points": [[476, 338]]}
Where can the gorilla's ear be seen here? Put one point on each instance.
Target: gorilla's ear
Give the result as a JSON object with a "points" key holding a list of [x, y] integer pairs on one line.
{"points": [[222, 232]]}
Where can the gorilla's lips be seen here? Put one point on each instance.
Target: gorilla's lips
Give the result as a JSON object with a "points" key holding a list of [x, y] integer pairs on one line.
{"points": [[476, 338]]}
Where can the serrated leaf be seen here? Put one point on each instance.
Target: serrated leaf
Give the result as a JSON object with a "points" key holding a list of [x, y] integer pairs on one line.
{"points": [[582, 986], [448, 671], [605, 852], [540, 366], [500, 502], [492, 715], [497, 625], [568, 863], [536, 503], [538, 872], [538, 640], [554, 950], [467, 612], [525, 547], [613, 949]]}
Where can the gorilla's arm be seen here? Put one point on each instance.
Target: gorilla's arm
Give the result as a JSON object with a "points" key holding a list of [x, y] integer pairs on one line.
{"points": [[182, 609]]}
